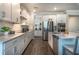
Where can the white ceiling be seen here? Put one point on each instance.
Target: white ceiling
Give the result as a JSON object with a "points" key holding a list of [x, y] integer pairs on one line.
{"points": [[46, 7]]}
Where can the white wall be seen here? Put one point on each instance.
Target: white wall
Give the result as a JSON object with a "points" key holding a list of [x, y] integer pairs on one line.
{"points": [[30, 20], [73, 24]]}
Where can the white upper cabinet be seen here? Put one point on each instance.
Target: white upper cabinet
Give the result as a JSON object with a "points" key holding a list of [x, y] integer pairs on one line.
{"points": [[72, 12], [61, 18], [16, 13], [10, 12], [5, 11], [1, 11]]}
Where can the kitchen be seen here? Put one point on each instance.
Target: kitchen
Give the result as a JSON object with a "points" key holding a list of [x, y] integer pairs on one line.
{"points": [[23, 23]]}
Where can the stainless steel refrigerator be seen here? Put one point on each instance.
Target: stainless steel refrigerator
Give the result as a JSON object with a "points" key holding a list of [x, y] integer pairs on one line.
{"points": [[47, 27]]}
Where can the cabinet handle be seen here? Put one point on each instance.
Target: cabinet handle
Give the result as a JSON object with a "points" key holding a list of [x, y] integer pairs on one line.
{"points": [[16, 19]]}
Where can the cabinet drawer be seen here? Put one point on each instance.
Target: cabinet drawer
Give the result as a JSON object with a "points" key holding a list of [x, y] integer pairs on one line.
{"points": [[9, 43], [10, 51]]}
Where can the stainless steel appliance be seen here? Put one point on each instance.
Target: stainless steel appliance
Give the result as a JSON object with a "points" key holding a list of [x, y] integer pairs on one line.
{"points": [[24, 28], [47, 27], [50, 26], [61, 27]]}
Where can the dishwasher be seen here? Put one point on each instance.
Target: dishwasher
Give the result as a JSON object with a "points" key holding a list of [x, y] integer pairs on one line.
{"points": [[55, 44]]}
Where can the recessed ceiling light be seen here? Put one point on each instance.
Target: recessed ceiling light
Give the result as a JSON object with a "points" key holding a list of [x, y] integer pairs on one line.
{"points": [[34, 10], [55, 8]]}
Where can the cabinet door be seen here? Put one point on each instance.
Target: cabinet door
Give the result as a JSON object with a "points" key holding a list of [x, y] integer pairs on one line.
{"points": [[16, 13], [55, 44], [1, 10], [61, 18], [20, 45], [7, 10], [37, 33], [10, 51], [49, 39], [1, 48], [26, 40], [10, 47]]}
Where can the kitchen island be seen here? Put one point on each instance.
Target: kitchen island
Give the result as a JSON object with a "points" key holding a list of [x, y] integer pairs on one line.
{"points": [[61, 39]]}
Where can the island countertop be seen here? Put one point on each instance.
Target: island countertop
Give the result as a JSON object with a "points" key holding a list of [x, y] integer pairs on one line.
{"points": [[9, 37], [62, 39], [65, 36]]}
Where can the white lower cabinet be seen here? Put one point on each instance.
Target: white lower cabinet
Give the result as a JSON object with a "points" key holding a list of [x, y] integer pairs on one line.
{"points": [[37, 33], [50, 39], [10, 50], [14, 47], [27, 38], [20, 45], [9, 47], [17, 45]]}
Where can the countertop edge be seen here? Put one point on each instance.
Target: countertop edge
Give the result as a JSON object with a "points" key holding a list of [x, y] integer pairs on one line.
{"points": [[12, 37]]}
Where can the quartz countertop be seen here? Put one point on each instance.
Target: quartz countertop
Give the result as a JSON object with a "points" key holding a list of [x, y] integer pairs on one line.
{"points": [[9, 37], [65, 36]]}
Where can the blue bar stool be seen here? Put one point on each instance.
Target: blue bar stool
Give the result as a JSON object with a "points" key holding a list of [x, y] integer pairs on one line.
{"points": [[71, 49]]}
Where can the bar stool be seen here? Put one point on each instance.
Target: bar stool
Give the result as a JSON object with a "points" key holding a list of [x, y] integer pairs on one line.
{"points": [[71, 49]]}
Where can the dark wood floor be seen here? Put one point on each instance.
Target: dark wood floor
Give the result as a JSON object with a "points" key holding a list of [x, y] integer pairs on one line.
{"points": [[38, 47]]}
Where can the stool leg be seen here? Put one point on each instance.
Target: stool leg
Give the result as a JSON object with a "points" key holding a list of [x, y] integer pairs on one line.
{"points": [[63, 51]]}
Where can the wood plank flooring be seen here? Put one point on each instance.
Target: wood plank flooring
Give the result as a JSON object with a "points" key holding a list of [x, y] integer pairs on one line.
{"points": [[38, 47]]}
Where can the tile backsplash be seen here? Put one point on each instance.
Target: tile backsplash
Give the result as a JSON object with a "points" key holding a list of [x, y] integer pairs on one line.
{"points": [[4, 23]]}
